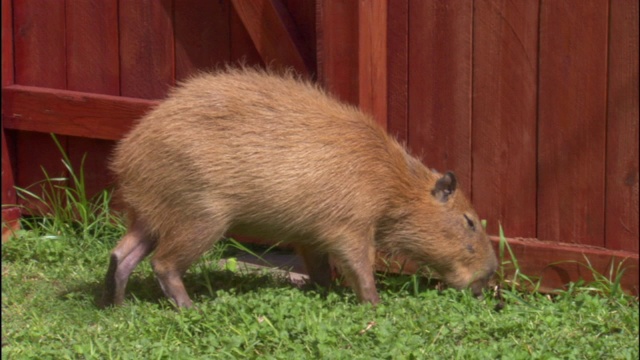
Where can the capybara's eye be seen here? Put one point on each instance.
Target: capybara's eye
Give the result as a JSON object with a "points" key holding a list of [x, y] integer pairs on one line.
{"points": [[470, 222]]}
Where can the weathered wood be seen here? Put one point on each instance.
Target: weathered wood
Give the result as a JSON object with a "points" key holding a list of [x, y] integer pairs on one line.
{"points": [[274, 34], [8, 155], [337, 34], [622, 128], [8, 191], [242, 48], [70, 112], [372, 64], [92, 66], [504, 114], [146, 48], [440, 51], [572, 121], [303, 14], [92, 46], [7, 43], [40, 60], [202, 40], [398, 69]]}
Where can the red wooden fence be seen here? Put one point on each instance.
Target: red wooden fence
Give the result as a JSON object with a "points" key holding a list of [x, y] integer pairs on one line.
{"points": [[534, 104]]}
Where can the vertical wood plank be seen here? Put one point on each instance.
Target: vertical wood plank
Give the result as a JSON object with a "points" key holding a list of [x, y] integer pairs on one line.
{"points": [[398, 67], [202, 38], [8, 152], [274, 34], [242, 48], [337, 35], [622, 128], [372, 58], [7, 43], [39, 43], [40, 60], [92, 66], [440, 50], [146, 48], [505, 70], [92, 46], [303, 14], [572, 121]]}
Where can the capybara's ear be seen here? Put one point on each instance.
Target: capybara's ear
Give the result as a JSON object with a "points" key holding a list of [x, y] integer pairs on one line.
{"points": [[445, 186]]}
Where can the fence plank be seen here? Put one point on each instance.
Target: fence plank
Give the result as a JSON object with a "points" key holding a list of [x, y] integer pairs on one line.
{"points": [[337, 34], [72, 113], [372, 59], [397, 64], [572, 121], [201, 35], [303, 14], [273, 33], [146, 48], [7, 43], [622, 128], [440, 51], [242, 48], [504, 114], [40, 60], [92, 46], [92, 66]]}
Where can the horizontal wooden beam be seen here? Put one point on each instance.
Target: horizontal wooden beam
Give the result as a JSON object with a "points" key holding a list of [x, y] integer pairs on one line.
{"points": [[70, 112]]}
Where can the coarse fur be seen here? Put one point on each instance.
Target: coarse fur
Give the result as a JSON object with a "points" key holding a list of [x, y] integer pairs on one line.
{"points": [[251, 152]]}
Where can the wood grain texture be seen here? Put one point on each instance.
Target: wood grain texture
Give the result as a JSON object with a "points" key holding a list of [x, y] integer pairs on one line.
{"points": [[337, 34], [572, 121], [505, 70], [7, 42], [202, 40], [146, 48], [372, 59], [92, 46], [440, 51], [39, 43], [398, 69], [242, 48], [303, 14], [69, 112], [92, 66], [274, 34], [622, 128], [9, 214], [39, 60], [8, 190]]}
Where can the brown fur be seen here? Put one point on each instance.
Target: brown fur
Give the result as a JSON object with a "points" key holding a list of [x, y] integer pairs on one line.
{"points": [[250, 152]]}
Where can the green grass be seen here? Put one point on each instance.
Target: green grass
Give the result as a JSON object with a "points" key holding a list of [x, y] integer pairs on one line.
{"points": [[53, 269]]}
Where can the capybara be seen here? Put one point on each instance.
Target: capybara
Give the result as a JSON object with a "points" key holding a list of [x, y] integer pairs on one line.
{"points": [[252, 152]]}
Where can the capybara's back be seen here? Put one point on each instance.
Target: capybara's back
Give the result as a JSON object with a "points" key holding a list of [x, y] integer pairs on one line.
{"points": [[251, 152]]}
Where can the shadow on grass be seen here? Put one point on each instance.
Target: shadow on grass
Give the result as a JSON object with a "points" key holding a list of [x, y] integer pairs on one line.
{"points": [[199, 284]]}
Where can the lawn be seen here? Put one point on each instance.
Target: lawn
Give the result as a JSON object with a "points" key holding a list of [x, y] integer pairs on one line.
{"points": [[52, 279], [50, 284]]}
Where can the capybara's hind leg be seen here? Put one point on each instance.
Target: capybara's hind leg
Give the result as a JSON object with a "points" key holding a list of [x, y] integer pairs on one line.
{"points": [[317, 265], [173, 257], [134, 246]]}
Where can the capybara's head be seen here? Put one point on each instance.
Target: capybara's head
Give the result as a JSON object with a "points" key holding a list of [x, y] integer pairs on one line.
{"points": [[444, 232]]}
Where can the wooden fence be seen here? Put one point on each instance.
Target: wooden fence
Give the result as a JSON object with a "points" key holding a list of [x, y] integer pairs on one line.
{"points": [[534, 104]]}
